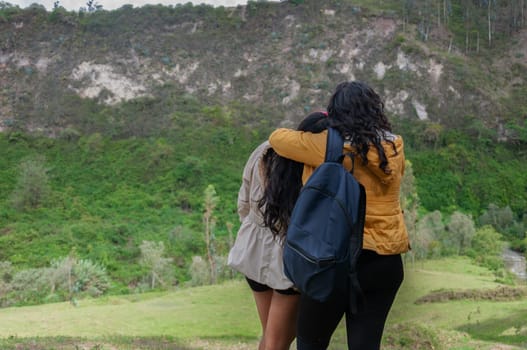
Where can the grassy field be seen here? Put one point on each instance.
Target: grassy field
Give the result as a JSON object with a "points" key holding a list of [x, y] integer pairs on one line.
{"points": [[224, 317]]}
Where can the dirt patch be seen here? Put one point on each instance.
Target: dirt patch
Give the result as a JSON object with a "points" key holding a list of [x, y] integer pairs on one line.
{"points": [[100, 77], [499, 294]]}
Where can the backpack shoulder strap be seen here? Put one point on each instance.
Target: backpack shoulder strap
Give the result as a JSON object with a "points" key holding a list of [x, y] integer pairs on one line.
{"points": [[334, 145]]}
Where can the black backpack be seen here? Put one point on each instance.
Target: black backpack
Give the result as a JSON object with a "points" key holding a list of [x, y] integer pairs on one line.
{"points": [[324, 238]]}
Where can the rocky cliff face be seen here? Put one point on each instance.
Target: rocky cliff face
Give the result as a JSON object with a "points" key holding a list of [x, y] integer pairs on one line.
{"points": [[285, 57]]}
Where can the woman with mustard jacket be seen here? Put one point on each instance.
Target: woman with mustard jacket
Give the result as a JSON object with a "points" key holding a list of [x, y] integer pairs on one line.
{"points": [[357, 112]]}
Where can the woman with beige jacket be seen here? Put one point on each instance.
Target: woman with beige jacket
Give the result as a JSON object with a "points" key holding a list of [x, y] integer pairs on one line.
{"points": [[357, 112], [270, 186]]}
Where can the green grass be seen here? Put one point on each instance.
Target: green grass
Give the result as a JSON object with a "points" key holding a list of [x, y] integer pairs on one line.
{"points": [[462, 321], [222, 311], [455, 273], [224, 317]]}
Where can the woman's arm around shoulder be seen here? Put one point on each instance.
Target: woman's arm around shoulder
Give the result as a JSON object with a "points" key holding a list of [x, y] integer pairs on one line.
{"points": [[303, 147]]}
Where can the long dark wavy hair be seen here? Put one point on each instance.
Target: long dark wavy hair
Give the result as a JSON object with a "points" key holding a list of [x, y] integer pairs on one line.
{"points": [[283, 180], [357, 111]]}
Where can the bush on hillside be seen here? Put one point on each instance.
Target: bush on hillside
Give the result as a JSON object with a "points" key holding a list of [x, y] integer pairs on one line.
{"points": [[32, 188]]}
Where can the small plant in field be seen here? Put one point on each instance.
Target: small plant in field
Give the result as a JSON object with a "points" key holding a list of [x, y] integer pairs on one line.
{"points": [[211, 200]]}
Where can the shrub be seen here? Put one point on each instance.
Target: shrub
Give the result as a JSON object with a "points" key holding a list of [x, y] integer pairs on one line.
{"points": [[159, 267], [223, 271], [91, 278], [199, 272], [65, 278], [429, 230], [71, 276], [459, 233], [30, 286], [486, 249], [499, 218], [6, 276], [32, 188]]}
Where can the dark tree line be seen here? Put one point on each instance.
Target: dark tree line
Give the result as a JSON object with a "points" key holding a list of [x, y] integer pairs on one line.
{"points": [[479, 20]]}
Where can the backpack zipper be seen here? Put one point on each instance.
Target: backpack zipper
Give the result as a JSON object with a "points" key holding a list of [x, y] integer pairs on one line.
{"points": [[320, 262]]}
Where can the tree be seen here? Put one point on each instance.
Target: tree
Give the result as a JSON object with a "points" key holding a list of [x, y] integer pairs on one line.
{"points": [[409, 200], [91, 6], [459, 232], [408, 6], [447, 9], [429, 230], [426, 10], [432, 133], [499, 218], [32, 188], [152, 258], [230, 226], [489, 23], [516, 14], [487, 246], [469, 14], [211, 200]]}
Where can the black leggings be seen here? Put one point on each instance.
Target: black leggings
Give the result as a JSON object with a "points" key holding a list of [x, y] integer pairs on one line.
{"points": [[380, 277]]}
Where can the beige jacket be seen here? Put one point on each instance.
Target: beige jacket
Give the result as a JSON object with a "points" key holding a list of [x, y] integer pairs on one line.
{"points": [[256, 253], [384, 228]]}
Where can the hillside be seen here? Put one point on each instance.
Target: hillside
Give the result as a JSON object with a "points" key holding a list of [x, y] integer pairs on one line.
{"points": [[281, 55], [130, 73], [130, 114]]}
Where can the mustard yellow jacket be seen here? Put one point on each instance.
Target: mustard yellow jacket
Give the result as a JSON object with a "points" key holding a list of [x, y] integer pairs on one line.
{"points": [[384, 228]]}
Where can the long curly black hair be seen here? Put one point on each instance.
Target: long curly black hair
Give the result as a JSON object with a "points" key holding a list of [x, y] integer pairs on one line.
{"points": [[284, 180], [357, 111]]}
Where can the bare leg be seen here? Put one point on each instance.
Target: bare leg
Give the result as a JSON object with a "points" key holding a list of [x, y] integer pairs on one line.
{"points": [[263, 304], [281, 322]]}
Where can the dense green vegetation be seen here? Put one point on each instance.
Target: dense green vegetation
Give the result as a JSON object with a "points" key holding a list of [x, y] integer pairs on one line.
{"points": [[100, 198]]}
